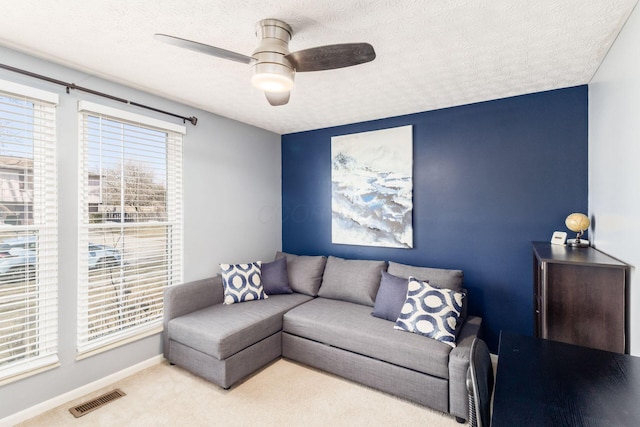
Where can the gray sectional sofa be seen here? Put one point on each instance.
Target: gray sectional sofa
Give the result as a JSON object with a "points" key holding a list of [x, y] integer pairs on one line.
{"points": [[335, 318]]}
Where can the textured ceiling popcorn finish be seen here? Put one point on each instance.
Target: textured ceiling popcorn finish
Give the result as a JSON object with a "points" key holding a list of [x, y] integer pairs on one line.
{"points": [[430, 54]]}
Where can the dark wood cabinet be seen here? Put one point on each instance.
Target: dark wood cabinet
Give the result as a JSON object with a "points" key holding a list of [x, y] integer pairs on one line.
{"points": [[579, 296]]}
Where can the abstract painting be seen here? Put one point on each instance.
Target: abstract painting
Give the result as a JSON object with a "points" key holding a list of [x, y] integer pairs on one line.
{"points": [[372, 188]]}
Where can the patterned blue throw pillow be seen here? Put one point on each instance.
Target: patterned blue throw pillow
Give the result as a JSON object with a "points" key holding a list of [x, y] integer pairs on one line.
{"points": [[242, 282], [431, 311]]}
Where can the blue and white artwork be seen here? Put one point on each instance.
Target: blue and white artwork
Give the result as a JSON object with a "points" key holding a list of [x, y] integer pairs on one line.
{"points": [[372, 188]]}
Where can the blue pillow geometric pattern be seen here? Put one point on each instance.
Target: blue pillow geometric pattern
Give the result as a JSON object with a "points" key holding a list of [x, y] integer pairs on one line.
{"points": [[242, 282], [431, 311]]}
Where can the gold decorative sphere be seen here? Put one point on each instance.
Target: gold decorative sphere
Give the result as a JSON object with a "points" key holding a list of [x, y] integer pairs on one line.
{"points": [[577, 222]]}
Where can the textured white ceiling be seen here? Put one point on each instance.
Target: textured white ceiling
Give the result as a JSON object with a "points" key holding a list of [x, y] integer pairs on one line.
{"points": [[430, 54]]}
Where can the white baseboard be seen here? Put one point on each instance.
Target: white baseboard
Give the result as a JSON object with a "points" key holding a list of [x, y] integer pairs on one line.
{"points": [[38, 409]]}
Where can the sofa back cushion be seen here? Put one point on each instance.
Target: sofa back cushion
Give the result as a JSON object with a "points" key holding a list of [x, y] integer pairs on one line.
{"points": [[305, 272], [352, 280], [442, 278]]}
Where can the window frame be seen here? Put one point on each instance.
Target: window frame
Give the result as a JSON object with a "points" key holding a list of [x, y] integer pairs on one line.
{"points": [[87, 344], [44, 216]]}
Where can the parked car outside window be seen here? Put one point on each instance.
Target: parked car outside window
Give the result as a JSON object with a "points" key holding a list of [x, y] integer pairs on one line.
{"points": [[103, 256], [18, 257]]}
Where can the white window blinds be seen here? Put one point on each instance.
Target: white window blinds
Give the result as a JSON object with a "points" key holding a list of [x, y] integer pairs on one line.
{"points": [[28, 231], [130, 224]]}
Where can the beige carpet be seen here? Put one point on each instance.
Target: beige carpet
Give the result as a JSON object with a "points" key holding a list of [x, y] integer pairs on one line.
{"points": [[283, 394]]}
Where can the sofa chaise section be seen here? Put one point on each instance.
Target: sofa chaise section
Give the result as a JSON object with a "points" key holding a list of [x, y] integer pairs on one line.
{"points": [[222, 343]]}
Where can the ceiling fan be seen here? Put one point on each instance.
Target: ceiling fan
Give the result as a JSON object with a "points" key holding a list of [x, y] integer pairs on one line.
{"points": [[273, 66]]}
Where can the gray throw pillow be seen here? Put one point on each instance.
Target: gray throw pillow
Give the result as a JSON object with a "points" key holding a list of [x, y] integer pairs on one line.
{"points": [[351, 280], [275, 279], [391, 296], [440, 277], [305, 272]]}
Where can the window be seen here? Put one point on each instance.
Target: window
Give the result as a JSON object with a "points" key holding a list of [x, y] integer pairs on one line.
{"points": [[130, 226], [28, 231]]}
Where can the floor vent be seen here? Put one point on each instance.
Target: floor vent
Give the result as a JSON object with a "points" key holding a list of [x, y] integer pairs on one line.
{"points": [[96, 403]]}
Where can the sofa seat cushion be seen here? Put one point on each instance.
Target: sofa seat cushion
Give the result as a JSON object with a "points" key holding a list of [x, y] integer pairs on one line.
{"points": [[351, 327], [223, 330]]}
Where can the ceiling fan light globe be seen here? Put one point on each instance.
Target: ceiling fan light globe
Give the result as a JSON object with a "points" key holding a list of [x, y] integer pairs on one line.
{"points": [[271, 83], [271, 77]]}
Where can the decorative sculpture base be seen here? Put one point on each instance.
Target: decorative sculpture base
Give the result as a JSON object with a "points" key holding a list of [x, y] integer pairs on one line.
{"points": [[578, 243]]}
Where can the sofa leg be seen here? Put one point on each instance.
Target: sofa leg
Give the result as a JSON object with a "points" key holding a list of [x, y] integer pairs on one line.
{"points": [[461, 420]]}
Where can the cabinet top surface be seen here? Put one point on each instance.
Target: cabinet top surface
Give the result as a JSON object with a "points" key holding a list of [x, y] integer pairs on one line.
{"points": [[548, 252]]}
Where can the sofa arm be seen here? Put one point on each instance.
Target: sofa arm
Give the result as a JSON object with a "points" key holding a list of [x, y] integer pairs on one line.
{"points": [[458, 365], [188, 297]]}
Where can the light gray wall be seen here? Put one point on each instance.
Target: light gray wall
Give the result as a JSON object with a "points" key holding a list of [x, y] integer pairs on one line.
{"points": [[232, 203], [614, 150]]}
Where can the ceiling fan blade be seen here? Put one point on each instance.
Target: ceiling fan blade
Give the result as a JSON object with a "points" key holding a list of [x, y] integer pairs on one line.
{"points": [[330, 57], [277, 98], [204, 48]]}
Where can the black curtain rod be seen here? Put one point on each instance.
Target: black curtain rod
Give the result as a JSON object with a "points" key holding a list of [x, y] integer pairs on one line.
{"points": [[192, 120]]}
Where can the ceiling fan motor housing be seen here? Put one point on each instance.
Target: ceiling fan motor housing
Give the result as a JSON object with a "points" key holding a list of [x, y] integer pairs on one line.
{"points": [[273, 66], [272, 72]]}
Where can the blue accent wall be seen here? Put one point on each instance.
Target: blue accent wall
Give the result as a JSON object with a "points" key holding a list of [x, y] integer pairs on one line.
{"points": [[488, 178]]}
